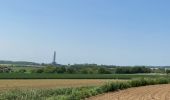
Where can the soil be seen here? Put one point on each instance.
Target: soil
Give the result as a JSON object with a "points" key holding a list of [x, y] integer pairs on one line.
{"points": [[154, 92]]}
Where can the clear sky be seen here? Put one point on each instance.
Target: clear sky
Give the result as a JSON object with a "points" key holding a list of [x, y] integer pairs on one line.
{"points": [[118, 32]]}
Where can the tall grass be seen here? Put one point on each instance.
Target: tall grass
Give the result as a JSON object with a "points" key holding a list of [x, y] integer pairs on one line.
{"points": [[77, 93]]}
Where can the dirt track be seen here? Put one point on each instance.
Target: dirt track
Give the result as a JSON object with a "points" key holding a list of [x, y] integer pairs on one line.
{"points": [[155, 92]]}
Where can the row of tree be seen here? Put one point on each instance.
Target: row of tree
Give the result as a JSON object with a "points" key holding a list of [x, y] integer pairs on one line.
{"points": [[92, 70], [72, 70], [81, 69], [132, 70]]}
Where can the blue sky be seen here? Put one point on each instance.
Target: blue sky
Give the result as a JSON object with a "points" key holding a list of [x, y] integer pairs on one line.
{"points": [[118, 32]]}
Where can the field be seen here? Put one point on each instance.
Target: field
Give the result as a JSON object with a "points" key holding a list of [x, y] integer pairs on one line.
{"points": [[51, 83], [76, 76], [155, 92], [53, 86], [90, 92]]}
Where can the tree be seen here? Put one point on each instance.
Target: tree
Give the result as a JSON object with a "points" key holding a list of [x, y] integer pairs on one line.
{"points": [[21, 70], [50, 69], [5, 69], [103, 71], [132, 70], [167, 71], [60, 69], [70, 70], [39, 70]]}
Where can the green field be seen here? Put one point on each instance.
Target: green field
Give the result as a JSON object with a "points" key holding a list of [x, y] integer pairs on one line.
{"points": [[75, 76]]}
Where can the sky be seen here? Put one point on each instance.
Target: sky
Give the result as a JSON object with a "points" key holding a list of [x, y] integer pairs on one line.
{"points": [[112, 32]]}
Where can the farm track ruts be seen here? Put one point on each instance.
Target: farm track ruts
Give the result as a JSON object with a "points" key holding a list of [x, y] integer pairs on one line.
{"points": [[154, 92]]}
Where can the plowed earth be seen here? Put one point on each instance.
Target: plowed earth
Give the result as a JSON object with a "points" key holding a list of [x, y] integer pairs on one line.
{"points": [[154, 92]]}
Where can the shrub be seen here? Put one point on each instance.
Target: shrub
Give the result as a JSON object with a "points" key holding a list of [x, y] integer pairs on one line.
{"points": [[21, 71], [50, 69], [40, 70], [5, 69], [138, 82], [132, 70], [167, 71], [114, 86], [162, 81], [103, 71], [124, 85]]}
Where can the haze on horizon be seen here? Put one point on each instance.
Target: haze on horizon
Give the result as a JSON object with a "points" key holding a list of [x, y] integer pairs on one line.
{"points": [[117, 32]]}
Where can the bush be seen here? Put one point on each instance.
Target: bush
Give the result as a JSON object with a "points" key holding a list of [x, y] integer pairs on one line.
{"points": [[132, 70], [124, 85], [60, 69], [50, 69], [70, 70], [5, 69], [114, 86], [167, 71], [21, 71], [103, 71], [138, 82], [40, 70], [162, 81]]}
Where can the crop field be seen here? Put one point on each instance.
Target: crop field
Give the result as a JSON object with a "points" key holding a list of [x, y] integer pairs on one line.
{"points": [[75, 76], [155, 92], [50, 86], [51, 83], [108, 90]]}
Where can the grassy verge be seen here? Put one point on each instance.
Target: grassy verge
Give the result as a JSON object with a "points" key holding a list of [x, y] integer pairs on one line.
{"points": [[77, 93], [74, 76]]}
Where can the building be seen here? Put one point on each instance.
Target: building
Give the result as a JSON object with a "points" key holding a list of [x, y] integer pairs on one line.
{"points": [[54, 59]]}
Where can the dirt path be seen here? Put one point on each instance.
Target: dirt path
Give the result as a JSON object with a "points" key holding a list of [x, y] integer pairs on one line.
{"points": [[155, 92]]}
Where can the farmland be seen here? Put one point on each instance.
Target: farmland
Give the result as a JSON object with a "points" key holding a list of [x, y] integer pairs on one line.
{"points": [[84, 50], [78, 93], [76, 76], [50, 83], [73, 83], [155, 92]]}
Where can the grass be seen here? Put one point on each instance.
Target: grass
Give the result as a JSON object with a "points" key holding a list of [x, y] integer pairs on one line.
{"points": [[77, 93], [74, 76]]}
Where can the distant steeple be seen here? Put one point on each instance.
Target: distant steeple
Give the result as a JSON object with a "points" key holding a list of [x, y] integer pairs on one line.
{"points": [[54, 58]]}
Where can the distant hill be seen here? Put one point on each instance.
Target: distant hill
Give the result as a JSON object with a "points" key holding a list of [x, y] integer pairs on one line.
{"points": [[18, 62]]}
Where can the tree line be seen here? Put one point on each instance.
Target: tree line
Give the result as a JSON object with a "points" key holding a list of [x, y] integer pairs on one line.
{"points": [[81, 69], [92, 69]]}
